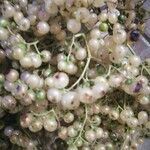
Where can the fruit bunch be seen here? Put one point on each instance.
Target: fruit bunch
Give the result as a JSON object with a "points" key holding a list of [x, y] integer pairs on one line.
{"points": [[69, 78]]}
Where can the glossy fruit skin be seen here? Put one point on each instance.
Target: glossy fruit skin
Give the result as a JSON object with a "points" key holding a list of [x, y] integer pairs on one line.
{"points": [[4, 23], [134, 35], [103, 27], [128, 81], [40, 95], [71, 67], [121, 18]]}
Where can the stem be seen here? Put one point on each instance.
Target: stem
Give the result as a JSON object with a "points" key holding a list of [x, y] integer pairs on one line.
{"points": [[144, 67], [10, 31], [127, 77], [109, 70], [86, 77], [36, 48], [70, 49], [131, 49], [119, 106], [45, 113], [55, 115], [87, 63], [124, 143], [41, 114], [83, 139], [124, 101], [15, 35], [80, 133], [142, 70], [33, 44], [82, 75], [28, 44]]}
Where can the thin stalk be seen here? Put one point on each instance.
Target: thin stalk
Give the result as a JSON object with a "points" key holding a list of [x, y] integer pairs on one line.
{"points": [[87, 63], [71, 46], [80, 133], [109, 70], [131, 49], [145, 68], [45, 113]]}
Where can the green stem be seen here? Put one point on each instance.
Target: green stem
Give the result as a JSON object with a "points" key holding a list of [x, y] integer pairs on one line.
{"points": [[36, 48], [124, 143], [127, 77], [80, 133], [131, 49], [109, 70], [82, 75], [70, 49], [46, 113], [87, 63], [145, 68], [10, 31]]}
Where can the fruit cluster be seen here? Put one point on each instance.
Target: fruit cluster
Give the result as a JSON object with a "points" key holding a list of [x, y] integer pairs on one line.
{"points": [[68, 71]]}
